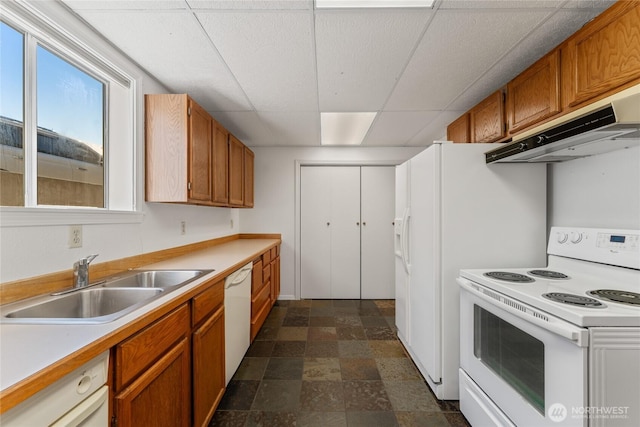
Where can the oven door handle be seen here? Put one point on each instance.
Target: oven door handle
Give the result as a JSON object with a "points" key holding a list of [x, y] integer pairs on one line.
{"points": [[573, 333]]}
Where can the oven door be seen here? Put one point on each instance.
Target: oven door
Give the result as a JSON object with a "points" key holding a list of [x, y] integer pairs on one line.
{"points": [[531, 365]]}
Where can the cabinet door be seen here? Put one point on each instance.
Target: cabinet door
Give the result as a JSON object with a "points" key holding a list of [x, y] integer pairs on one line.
{"points": [[249, 158], [220, 173], [535, 94], [208, 368], [377, 257], [487, 119], [236, 172], [200, 154], [604, 55], [161, 396], [458, 130]]}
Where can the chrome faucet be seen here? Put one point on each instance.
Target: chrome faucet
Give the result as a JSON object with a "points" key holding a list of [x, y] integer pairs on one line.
{"points": [[81, 271]]}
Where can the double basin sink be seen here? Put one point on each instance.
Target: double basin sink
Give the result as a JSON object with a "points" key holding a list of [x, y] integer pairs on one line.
{"points": [[101, 302]]}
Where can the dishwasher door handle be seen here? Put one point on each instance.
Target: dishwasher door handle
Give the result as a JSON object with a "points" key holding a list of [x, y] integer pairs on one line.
{"points": [[239, 276]]}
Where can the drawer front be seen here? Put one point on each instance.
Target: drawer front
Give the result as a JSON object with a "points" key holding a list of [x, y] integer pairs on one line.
{"points": [[258, 301], [266, 272], [207, 301], [266, 258], [258, 320], [138, 352], [256, 277], [274, 252]]}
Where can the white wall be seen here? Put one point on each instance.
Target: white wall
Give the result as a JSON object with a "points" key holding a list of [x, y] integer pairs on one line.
{"points": [[29, 251], [274, 208], [598, 191]]}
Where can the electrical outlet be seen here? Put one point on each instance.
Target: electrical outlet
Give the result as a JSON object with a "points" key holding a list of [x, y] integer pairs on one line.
{"points": [[183, 227], [75, 236]]}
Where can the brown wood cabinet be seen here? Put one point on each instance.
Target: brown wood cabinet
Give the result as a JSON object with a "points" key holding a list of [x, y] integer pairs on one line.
{"points": [[208, 352], [153, 374], [265, 287], [458, 130], [191, 158], [603, 56], [236, 172], [535, 94], [220, 174], [487, 122], [247, 183]]}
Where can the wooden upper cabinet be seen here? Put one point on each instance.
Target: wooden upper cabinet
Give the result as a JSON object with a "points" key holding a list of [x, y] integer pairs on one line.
{"points": [[236, 171], [487, 119], [458, 130], [166, 135], [200, 153], [220, 175], [191, 158], [602, 56], [248, 177], [535, 94]]}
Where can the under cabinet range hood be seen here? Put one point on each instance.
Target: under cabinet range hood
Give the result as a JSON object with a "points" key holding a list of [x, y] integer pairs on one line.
{"points": [[609, 124]]}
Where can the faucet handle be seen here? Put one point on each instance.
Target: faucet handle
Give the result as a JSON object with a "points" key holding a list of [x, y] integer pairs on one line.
{"points": [[86, 260], [90, 258]]}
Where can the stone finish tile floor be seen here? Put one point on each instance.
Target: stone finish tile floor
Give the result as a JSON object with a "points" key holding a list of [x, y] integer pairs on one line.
{"points": [[329, 363]]}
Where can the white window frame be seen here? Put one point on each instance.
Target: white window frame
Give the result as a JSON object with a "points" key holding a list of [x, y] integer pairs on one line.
{"points": [[120, 178]]}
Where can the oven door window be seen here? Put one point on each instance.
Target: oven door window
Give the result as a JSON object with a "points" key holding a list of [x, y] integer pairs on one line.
{"points": [[513, 355]]}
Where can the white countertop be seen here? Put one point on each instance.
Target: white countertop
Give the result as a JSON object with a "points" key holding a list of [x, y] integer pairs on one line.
{"points": [[27, 349]]}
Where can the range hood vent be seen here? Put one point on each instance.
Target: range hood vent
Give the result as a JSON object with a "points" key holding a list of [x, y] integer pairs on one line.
{"points": [[607, 125]]}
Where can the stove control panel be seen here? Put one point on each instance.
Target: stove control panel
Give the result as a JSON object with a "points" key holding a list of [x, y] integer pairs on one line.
{"points": [[607, 246]]}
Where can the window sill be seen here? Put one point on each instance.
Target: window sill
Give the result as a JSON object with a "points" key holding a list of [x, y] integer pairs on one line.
{"points": [[28, 217]]}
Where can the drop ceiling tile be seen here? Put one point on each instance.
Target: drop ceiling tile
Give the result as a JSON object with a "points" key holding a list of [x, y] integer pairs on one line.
{"points": [[361, 54], [397, 128], [500, 4], [545, 38], [125, 4], [292, 129], [247, 126], [173, 48], [436, 130], [251, 4], [270, 54], [449, 60]]}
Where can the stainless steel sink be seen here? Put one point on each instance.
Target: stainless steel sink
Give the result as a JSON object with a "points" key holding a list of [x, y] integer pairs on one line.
{"points": [[154, 278], [95, 304], [101, 302]]}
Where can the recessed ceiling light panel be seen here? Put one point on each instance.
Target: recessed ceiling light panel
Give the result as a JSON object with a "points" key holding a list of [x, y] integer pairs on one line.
{"points": [[345, 128], [364, 4]]}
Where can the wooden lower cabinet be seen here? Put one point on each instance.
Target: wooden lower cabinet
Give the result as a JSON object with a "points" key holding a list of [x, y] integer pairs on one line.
{"points": [[153, 374], [265, 287], [172, 372], [208, 368], [161, 396]]}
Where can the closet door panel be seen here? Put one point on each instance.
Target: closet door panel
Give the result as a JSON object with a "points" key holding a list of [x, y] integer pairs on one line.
{"points": [[377, 257], [345, 232], [315, 232]]}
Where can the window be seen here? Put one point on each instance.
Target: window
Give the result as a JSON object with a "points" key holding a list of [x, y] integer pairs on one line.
{"points": [[67, 120]]}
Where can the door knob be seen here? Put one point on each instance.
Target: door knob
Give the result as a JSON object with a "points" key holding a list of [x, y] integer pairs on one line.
{"points": [[364, 223], [357, 223], [328, 224]]}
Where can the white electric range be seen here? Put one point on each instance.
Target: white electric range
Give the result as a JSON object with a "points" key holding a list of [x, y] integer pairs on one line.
{"points": [[555, 345]]}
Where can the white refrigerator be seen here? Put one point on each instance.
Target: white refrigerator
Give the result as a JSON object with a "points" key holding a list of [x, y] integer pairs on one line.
{"points": [[454, 211]]}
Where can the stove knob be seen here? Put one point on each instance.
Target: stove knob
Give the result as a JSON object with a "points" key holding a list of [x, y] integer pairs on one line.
{"points": [[576, 237], [562, 237]]}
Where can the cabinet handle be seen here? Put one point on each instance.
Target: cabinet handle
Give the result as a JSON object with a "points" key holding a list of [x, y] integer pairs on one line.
{"points": [[364, 223], [357, 223], [328, 224]]}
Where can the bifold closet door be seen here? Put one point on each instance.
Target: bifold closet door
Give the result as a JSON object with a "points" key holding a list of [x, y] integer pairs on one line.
{"points": [[377, 215], [330, 232]]}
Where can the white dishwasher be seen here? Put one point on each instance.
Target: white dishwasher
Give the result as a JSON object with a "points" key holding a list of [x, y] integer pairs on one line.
{"points": [[80, 398], [237, 318]]}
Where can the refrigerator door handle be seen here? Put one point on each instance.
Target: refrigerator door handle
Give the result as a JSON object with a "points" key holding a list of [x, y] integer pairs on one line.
{"points": [[404, 241]]}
